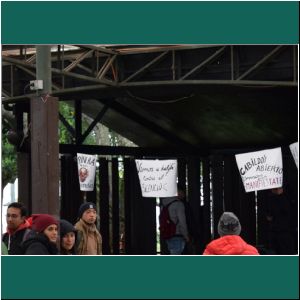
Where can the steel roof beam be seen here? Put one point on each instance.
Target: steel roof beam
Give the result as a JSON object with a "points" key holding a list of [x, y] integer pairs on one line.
{"points": [[95, 121], [264, 60], [105, 67], [99, 87], [57, 71], [204, 63], [55, 86], [148, 65], [128, 113], [78, 60], [97, 48], [67, 125]]}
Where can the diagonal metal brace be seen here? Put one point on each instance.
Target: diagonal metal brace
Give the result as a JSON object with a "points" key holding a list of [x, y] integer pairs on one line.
{"points": [[67, 125], [261, 62], [204, 63], [152, 62], [96, 120]]}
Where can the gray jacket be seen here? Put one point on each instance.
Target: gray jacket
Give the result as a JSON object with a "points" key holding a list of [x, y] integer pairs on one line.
{"points": [[177, 215]]}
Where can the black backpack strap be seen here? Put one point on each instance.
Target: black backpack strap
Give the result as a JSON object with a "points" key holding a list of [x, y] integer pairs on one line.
{"points": [[167, 206]]}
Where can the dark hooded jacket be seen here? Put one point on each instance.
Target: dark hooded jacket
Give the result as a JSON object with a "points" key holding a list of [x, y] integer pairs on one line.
{"points": [[39, 244], [13, 240], [66, 227]]}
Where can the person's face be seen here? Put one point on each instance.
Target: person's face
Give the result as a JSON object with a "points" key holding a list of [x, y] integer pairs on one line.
{"points": [[89, 216], [14, 218], [68, 240], [51, 233]]}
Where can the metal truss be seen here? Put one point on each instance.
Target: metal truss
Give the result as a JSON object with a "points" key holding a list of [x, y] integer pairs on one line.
{"points": [[90, 67]]}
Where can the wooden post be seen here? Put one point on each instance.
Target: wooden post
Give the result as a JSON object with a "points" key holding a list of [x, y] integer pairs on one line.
{"points": [[44, 140], [115, 206], [44, 156], [104, 205], [217, 189]]}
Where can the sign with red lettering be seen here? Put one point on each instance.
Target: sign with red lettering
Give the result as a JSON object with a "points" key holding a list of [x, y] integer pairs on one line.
{"points": [[157, 177], [260, 170]]}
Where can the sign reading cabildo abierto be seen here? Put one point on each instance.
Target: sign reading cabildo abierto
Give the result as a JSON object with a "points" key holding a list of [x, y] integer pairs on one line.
{"points": [[157, 177], [86, 171], [260, 170]]}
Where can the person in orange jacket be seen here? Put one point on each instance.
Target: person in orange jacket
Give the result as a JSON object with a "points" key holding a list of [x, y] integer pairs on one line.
{"points": [[230, 242]]}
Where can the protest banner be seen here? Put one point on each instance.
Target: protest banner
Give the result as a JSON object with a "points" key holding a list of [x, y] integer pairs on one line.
{"points": [[86, 171], [260, 170], [157, 177], [295, 150]]}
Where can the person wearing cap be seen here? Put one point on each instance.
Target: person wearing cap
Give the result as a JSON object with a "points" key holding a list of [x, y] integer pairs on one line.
{"points": [[68, 235], [89, 238], [230, 242], [43, 239], [18, 228]]}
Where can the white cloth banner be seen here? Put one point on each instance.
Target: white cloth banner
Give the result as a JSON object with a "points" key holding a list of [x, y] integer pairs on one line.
{"points": [[86, 171], [295, 150], [157, 177], [261, 170]]}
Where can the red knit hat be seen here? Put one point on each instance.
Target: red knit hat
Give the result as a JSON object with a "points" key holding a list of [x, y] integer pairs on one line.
{"points": [[42, 221]]}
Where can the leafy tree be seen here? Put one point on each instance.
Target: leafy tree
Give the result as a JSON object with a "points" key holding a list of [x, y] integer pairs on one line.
{"points": [[9, 157], [9, 154], [68, 113], [65, 137]]}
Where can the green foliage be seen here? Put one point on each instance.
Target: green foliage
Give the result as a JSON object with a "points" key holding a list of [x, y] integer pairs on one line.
{"points": [[65, 137], [9, 158], [9, 154], [68, 113], [114, 138]]}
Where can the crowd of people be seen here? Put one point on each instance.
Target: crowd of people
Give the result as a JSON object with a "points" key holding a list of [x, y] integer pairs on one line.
{"points": [[43, 234]]}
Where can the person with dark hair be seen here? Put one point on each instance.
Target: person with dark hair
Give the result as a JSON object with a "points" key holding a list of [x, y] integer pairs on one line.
{"points": [[18, 228], [230, 242], [68, 235], [43, 238], [89, 238]]}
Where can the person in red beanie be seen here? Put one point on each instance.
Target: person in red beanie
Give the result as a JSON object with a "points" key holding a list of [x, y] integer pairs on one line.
{"points": [[44, 238]]}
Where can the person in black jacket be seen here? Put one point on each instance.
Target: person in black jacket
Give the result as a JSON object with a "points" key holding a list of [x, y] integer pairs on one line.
{"points": [[43, 239], [17, 228], [282, 219]]}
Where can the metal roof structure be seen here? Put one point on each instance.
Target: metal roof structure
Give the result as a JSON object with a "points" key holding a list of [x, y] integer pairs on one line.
{"points": [[196, 97]]}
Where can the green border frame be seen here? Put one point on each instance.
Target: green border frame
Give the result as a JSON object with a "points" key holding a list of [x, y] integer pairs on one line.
{"points": [[150, 277], [192, 277], [156, 22]]}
